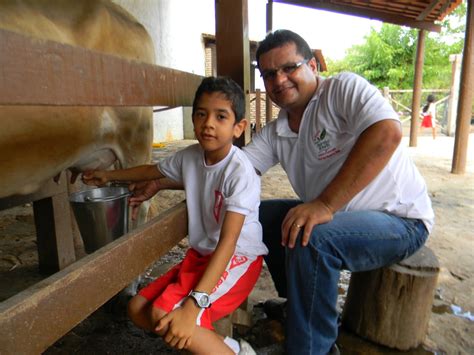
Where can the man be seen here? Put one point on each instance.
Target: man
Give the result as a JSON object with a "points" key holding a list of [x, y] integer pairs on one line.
{"points": [[363, 203]]}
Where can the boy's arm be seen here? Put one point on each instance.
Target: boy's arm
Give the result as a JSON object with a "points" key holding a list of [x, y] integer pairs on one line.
{"points": [[144, 190], [182, 320], [137, 173]]}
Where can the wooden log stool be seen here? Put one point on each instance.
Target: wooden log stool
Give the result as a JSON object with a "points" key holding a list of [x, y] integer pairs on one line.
{"points": [[240, 318], [391, 306]]}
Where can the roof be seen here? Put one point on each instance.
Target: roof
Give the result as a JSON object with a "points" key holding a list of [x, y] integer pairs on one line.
{"points": [[421, 14]]}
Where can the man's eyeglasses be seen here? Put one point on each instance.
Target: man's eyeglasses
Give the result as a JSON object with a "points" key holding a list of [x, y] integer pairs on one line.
{"points": [[288, 69]]}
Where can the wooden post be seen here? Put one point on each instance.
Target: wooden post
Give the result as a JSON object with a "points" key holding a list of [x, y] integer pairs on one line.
{"points": [[54, 233], [417, 84], [268, 101], [466, 96], [258, 111], [453, 94], [233, 48], [392, 305]]}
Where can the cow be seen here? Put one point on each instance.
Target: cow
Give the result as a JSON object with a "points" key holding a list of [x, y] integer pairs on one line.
{"points": [[39, 142]]}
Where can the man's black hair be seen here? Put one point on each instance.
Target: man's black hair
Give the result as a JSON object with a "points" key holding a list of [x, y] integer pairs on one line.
{"points": [[281, 37], [229, 88]]}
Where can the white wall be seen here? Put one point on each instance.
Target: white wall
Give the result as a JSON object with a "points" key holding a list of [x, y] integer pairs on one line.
{"points": [[176, 27]]}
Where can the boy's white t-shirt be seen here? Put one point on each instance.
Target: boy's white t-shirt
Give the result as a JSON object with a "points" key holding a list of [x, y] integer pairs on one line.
{"points": [[340, 110], [230, 185]]}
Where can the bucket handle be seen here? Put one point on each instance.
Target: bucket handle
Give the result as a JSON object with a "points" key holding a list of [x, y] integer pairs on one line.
{"points": [[104, 199]]}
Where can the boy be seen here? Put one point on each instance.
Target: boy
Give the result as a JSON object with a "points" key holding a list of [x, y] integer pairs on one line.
{"points": [[222, 195]]}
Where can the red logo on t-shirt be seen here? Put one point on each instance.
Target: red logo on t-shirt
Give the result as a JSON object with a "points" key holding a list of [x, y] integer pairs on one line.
{"points": [[218, 201]]}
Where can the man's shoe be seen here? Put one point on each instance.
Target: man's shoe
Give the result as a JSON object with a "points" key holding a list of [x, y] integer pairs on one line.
{"points": [[246, 348]]}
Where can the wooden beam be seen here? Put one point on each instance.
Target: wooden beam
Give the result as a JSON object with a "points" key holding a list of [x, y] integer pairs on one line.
{"points": [[54, 235], [366, 13], [34, 319], [428, 10], [233, 48], [268, 100], [417, 85], [466, 97], [60, 74]]}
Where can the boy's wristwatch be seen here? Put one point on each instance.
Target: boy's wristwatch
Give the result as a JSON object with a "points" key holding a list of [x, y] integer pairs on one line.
{"points": [[202, 298]]}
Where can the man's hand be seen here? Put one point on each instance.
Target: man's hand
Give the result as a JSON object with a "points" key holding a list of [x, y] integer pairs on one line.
{"points": [[304, 216], [181, 323], [95, 177], [142, 191]]}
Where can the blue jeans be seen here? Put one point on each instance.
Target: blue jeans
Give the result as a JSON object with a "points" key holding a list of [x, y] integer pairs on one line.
{"points": [[356, 241]]}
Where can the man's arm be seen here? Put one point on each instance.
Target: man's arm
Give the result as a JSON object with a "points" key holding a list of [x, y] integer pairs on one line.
{"points": [[182, 321], [368, 157]]}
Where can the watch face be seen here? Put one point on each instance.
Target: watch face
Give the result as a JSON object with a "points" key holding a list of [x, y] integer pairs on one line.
{"points": [[204, 301]]}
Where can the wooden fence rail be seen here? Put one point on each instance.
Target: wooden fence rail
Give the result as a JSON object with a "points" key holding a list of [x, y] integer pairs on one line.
{"points": [[38, 72], [34, 319]]}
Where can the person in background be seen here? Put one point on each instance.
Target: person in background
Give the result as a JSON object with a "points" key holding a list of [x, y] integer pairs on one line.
{"points": [[429, 115], [222, 196]]}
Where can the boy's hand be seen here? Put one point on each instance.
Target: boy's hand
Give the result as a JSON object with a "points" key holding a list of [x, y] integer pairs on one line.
{"points": [[142, 191], [95, 177], [181, 324]]}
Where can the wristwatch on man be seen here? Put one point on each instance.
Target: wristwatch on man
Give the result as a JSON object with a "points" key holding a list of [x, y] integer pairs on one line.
{"points": [[202, 299]]}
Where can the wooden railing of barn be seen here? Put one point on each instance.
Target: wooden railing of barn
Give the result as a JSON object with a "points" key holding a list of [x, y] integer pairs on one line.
{"points": [[35, 318]]}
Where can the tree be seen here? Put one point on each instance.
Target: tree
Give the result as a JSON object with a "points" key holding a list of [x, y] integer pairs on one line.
{"points": [[386, 58]]}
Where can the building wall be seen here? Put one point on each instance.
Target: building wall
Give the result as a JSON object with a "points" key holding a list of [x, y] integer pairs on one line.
{"points": [[176, 27]]}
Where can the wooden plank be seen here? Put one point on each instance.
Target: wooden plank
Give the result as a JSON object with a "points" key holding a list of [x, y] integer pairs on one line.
{"points": [[54, 235], [397, 19], [60, 74], [430, 7], [34, 319], [233, 49], [258, 110]]}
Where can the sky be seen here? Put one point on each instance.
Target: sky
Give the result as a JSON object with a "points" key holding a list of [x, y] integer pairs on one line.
{"points": [[331, 32]]}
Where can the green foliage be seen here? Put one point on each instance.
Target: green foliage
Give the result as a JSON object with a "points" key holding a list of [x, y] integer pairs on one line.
{"points": [[387, 57]]}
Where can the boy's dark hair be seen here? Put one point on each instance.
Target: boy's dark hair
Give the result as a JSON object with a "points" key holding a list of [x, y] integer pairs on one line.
{"points": [[281, 37], [229, 88]]}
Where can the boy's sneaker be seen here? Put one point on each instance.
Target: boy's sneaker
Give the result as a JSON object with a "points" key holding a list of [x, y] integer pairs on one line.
{"points": [[246, 348]]}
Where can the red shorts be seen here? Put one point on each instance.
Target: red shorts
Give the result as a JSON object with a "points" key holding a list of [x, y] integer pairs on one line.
{"points": [[170, 290]]}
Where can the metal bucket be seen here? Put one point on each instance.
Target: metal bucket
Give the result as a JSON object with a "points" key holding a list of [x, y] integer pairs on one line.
{"points": [[101, 214]]}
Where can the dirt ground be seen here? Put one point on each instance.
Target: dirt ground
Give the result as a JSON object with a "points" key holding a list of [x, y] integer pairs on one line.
{"points": [[451, 327]]}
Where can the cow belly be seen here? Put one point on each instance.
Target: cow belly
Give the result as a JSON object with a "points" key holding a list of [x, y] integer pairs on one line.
{"points": [[39, 142]]}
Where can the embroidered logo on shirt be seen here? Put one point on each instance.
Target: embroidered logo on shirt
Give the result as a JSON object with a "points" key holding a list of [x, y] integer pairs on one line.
{"points": [[321, 139], [218, 201]]}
